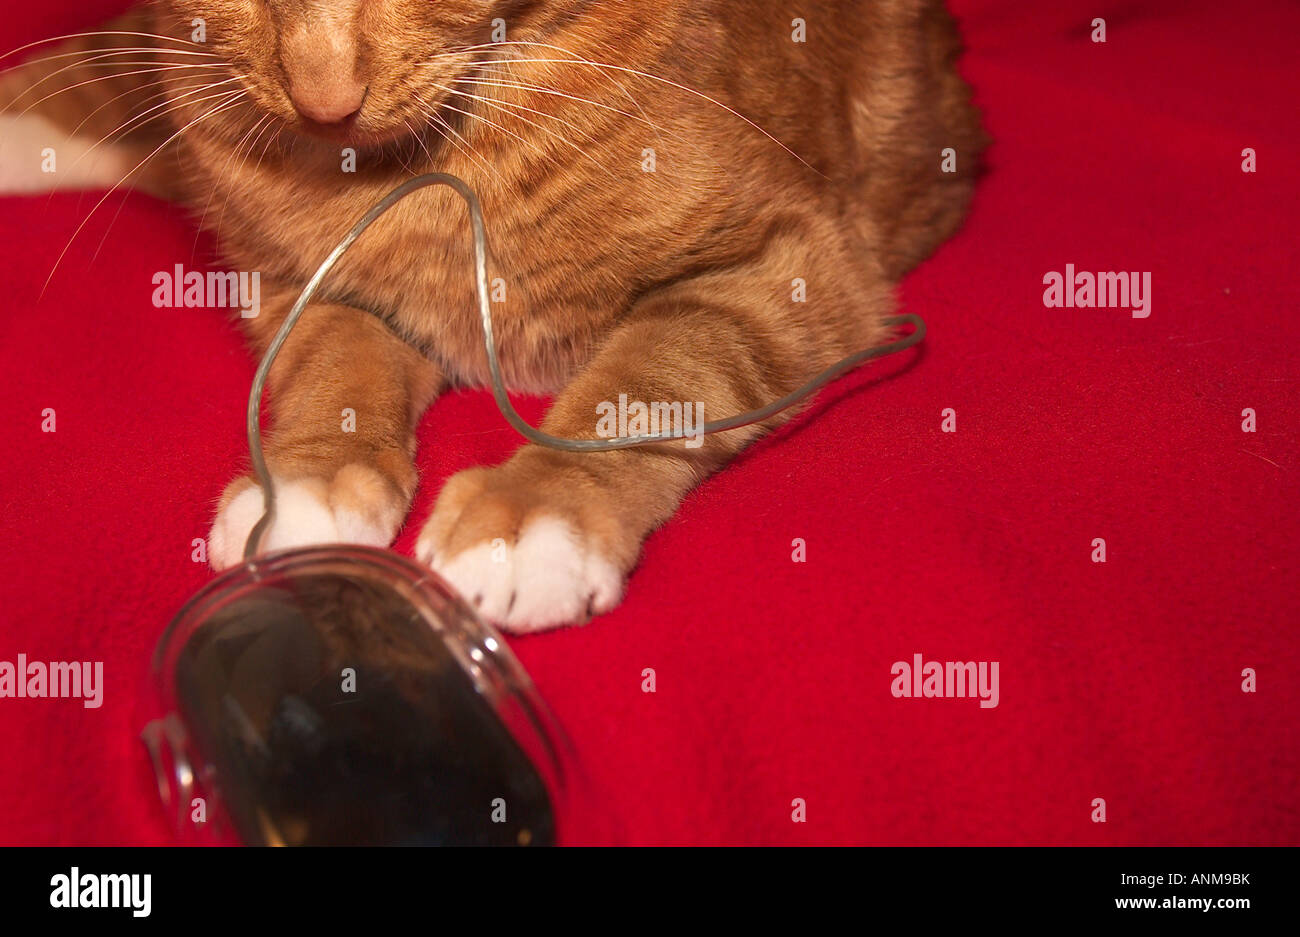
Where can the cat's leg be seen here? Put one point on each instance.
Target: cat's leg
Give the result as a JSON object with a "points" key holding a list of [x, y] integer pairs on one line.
{"points": [[345, 396], [548, 537], [86, 112]]}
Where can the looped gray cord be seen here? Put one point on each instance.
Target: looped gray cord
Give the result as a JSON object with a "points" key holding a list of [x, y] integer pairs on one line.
{"points": [[507, 409]]}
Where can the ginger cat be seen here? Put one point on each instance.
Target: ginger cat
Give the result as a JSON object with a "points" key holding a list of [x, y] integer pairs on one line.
{"points": [[654, 176]]}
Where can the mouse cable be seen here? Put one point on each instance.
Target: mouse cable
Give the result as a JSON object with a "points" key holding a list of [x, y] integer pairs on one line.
{"points": [[527, 430]]}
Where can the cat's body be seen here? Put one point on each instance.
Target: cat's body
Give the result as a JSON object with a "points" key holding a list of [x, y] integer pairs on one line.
{"points": [[646, 241]]}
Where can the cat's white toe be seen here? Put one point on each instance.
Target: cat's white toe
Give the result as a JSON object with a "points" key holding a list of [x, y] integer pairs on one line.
{"points": [[303, 517], [551, 576]]}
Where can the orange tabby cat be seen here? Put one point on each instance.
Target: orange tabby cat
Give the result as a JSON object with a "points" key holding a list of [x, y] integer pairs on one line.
{"points": [[653, 233]]}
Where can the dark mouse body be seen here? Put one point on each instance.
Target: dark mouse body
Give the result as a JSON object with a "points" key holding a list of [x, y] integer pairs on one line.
{"points": [[330, 710]]}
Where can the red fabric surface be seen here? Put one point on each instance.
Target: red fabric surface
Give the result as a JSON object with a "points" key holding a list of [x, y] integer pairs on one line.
{"points": [[1120, 681]]}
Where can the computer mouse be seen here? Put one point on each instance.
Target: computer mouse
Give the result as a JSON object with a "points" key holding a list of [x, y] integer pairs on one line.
{"points": [[345, 695]]}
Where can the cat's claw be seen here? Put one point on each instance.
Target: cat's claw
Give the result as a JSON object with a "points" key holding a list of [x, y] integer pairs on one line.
{"points": [[357, 506], [516, 547], [548, 577]]}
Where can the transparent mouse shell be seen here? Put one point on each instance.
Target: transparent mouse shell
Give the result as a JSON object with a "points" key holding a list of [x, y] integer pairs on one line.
{"points": [[344, 695]]}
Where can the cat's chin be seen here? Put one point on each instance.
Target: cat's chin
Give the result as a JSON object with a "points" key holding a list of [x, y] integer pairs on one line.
{"points": [[350, 136]]}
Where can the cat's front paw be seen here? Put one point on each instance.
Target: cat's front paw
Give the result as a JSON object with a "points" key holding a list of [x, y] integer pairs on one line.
{"points": [[358, 505], [528, 550]]}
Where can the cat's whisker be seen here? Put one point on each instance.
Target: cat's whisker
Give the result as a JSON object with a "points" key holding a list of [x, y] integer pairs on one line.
{"points": [[496, 126], [501, 106], [207, 206], [406, 153], [220, 178], [485, 73], [117, 97], [106, 50], [577, 58], [204, 83], [505, 103], [442, 57], [125, 197], [415, 136], [231, 99], [176, 103], [270, 141], [417, 133], [252, 146], [501, 64], [574, 56], [659, 132], [261, 127], [539, 89], [87, 55], [419, 138], [473, 153], [509, 133], [90, 81], [95, 61], [118, 32], [601, 66]]}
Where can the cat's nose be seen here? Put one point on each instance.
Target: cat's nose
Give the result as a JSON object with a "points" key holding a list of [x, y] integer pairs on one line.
{"points": [[331, 103], [320, 59]]}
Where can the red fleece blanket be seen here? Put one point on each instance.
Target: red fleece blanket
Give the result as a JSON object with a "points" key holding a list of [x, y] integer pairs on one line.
{"points": [[1120, 681]]}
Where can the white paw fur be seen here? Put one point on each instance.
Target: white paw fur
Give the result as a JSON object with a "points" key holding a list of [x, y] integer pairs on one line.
{"points": [[551, 576], [303, 517], [78, 163]]}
